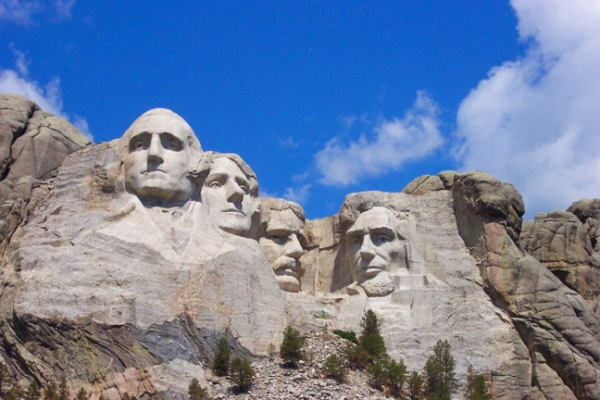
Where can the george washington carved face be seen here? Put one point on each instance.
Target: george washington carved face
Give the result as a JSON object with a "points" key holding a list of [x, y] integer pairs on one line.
{"points": [[160, 149]]}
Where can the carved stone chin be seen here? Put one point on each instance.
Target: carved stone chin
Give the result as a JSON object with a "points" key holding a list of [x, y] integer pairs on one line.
{"points": [[379, 286]]}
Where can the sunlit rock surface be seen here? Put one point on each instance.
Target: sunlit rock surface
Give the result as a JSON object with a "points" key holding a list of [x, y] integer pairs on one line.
{"points": [[123, 287]]}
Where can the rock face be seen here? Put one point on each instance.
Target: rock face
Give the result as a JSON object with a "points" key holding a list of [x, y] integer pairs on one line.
{"points": [[566, 242], [125, 262]]}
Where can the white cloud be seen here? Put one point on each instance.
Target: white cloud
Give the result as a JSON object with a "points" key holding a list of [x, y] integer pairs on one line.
{"points": [[535, 121], [19, 11], [47, 96], [298, 195], [63, 8], [392, 144]]}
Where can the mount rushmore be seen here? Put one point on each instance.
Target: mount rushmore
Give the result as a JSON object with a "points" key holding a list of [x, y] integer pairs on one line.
{"points": [[124, 263]]}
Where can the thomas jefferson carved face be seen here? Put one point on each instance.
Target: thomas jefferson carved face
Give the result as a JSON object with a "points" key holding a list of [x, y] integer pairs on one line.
{"points": [[158, 156], [226, 193], [280, 242], [373, 250]]}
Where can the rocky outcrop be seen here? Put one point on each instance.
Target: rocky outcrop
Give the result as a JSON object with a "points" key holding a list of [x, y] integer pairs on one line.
{"points": [[558, 327], [566, 242], [33, 144], [123, 268]]}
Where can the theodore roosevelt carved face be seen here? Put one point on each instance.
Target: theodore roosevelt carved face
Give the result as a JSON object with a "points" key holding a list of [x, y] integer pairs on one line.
{"points": [[374, 249], [230, 193], [160, 150], [281, 238]]}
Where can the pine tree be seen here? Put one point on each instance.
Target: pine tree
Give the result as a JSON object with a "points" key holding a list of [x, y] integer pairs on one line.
{"points": [[378, 373], [370, 339], [396, 376], [470, 382], [32, 392], [480, 389], [82, 395], [221, 363], [415, 386], [356, 356], [4, 377], [335, 368], [291, 347], [197, 392], [241, 373], [440, 377], [63, 390], [51, 392]]}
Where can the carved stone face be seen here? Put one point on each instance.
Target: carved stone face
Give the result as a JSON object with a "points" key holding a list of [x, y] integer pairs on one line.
{"points": [[157, 161], [373, 250], [226, 195], [281, 244]]}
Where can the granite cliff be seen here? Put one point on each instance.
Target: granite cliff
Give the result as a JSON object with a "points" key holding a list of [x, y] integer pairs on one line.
{"points": [[124, 263]]}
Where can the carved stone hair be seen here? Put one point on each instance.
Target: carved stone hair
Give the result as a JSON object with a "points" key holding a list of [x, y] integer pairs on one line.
{"points": [[211, 156], [269, 205], [354, 206], [192, 140]]}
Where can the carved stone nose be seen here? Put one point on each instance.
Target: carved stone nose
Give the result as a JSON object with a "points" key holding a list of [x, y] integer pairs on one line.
{"points": [[155, 151], [235, 194], [293, 247]]}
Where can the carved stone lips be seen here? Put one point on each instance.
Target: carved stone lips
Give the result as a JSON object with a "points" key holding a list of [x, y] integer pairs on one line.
{"points": [[234, 210]]}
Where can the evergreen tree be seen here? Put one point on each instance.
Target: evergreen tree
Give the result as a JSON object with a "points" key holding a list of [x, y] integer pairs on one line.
{"points": [[356, 356], [480, 389], [241, 373], [335, 368], [415, 386], [63, 390], [221, 363], [82, 395], [470, 382], [51, 392], [440, 377], [369, 323], [370, 339], [32, 392], [291, 347], [378, 373], [396, 376], [197, 392]]}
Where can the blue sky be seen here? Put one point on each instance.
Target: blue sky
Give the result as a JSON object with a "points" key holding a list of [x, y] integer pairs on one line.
{"points": [[325, 98]]}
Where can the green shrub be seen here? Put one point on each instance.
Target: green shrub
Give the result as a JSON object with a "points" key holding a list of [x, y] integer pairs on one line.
{"points": [[396, 376], [378, 373], [370, 339], [32, 392], [439, 374], [350, 336], [291, 346], [335, 368], [356, 356], [221, 362], [241, 373], [51, 392], [82, 395], [197, 392]]}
